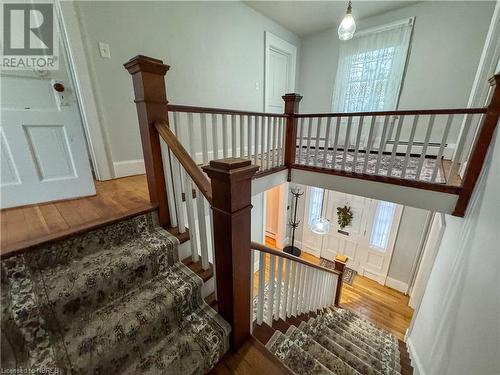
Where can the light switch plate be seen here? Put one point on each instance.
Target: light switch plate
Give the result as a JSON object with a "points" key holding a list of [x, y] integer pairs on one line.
{"points": [[104, 50]]}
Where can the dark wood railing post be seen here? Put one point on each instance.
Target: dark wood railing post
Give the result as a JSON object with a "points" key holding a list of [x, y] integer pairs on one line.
{"points": [[340, 262], [148, 77], [291, 108], [480, 148], [231, 181]]}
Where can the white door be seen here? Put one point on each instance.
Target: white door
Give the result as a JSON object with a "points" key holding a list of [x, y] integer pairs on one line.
{"points": [[280, 63], [43, 150], [351, 239]]}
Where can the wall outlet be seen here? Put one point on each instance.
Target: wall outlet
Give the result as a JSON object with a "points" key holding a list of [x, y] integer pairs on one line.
{"points": [[257, 86], [104, 50]]}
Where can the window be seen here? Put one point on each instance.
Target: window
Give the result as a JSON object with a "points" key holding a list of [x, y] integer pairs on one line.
{"points": [[382, 225], [315, 202], [370, 69]]}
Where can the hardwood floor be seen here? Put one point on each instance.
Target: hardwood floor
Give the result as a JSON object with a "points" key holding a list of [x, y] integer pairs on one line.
{"points": [[383, 306], [28, 225]]}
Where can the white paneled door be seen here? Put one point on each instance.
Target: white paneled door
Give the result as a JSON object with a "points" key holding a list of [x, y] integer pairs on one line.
{"points": [[280, 63], [43, 150]]}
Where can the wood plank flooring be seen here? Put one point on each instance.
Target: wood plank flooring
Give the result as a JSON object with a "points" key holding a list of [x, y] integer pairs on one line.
{"points": [[383, 306], [29, 225]]}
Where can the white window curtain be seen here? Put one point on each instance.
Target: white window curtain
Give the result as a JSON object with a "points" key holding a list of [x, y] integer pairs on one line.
{"points": [[370, 69], [382, 224], [315, 203]]}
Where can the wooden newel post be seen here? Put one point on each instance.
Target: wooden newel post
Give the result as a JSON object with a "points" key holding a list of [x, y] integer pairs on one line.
{"points": [[231, 181], [148, 77], [480, 147], [291, 108], [340, 262]]}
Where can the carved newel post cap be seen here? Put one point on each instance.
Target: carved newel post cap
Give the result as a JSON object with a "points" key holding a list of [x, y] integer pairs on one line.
{"points": [[148, 64], [231, 166], [292, 97]]}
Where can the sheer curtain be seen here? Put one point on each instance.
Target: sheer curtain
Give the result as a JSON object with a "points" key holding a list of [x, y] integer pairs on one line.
{"points": [[382, 224], [370, 69], [315, 202]]}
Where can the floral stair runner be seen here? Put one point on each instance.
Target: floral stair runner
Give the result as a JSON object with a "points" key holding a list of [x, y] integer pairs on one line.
{"points": [[115, 300], [337, 342]]}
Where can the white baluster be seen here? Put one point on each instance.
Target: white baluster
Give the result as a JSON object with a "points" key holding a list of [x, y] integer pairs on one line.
{"points": [[395, 145], [281, 142], [301, 140], [275, 152], [292, 295], [253, 315], [369, 144], [327, 141], [224, 137], [305, 289], [262, 143], [242, 137], [410, 145], [334, 288], [204, 138], [286, 290], [233, 136], [205, 264], [336, 141], [426, 144], [298, 287], [249, 137], [309, 134], [441, 148], [215, 143], [318, 135], [457, 155], [167, 170], [358, 140], [256, 126], [382, 144], [191, 150], [262, 285], [347, 142], [178, 194], [193, 237], [268, 142], [278, 289], [271, 283]]}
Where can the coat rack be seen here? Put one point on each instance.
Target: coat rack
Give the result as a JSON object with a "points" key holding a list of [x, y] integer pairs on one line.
{"points": [[291, 249]]}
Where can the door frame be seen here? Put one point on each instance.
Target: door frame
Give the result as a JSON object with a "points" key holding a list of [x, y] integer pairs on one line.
{"points": [[80, 73], [272, 41]]}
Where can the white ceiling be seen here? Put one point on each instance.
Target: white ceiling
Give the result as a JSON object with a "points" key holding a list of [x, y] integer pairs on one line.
{"points": [[307, 17]]}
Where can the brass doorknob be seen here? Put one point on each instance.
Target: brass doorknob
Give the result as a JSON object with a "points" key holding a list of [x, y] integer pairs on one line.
{"points": [[59, 87]]}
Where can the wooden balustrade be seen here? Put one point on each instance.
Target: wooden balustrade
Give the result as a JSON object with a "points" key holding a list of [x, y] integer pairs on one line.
{"points": [[289, 286], [401, 143]]}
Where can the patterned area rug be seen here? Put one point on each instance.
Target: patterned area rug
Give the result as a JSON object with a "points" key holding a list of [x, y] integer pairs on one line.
{"points": [[385, 161], [347, 277], [114, 300], [337, 342]]}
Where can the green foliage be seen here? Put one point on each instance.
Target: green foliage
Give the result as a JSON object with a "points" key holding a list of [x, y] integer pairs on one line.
{"points": [[344, 215]]}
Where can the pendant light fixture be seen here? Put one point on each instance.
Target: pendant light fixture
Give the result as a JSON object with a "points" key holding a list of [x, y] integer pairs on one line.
{"points": [[321, 225], [348, 26]]}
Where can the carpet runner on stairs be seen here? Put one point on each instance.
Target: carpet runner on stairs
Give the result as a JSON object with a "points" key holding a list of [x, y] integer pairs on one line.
{"points": [[115, 300], [337, 342]]}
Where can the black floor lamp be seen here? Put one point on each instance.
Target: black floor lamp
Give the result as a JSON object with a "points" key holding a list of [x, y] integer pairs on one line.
{"points": [[291, 249]]}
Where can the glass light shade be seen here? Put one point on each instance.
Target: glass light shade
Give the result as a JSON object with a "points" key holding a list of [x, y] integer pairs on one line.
{"points": [[320, 225], [347, 27]]}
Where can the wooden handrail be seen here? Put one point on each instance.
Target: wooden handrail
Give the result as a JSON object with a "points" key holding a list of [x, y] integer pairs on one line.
{"points": [[409, 112], [266, 249], [194, 171], [219, 111]]}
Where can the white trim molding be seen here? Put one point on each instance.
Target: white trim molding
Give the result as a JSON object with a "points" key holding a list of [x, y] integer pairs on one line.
{"points": [[96, 136], [396, 284], [415, 359], [129, 167]]}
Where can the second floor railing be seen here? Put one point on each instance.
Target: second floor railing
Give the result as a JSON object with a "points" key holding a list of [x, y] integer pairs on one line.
{"points": [[202, 184]]}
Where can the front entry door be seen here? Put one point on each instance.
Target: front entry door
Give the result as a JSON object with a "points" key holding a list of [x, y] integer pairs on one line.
{"points": [[43, 150]]}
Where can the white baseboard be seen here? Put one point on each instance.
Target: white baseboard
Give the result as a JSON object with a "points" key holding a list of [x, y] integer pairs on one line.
{"points": [[129, 167], [396, 284], [415, 360]]}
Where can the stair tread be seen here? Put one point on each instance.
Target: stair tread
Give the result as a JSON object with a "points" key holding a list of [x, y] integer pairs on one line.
{"points": [[298, 360]]}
